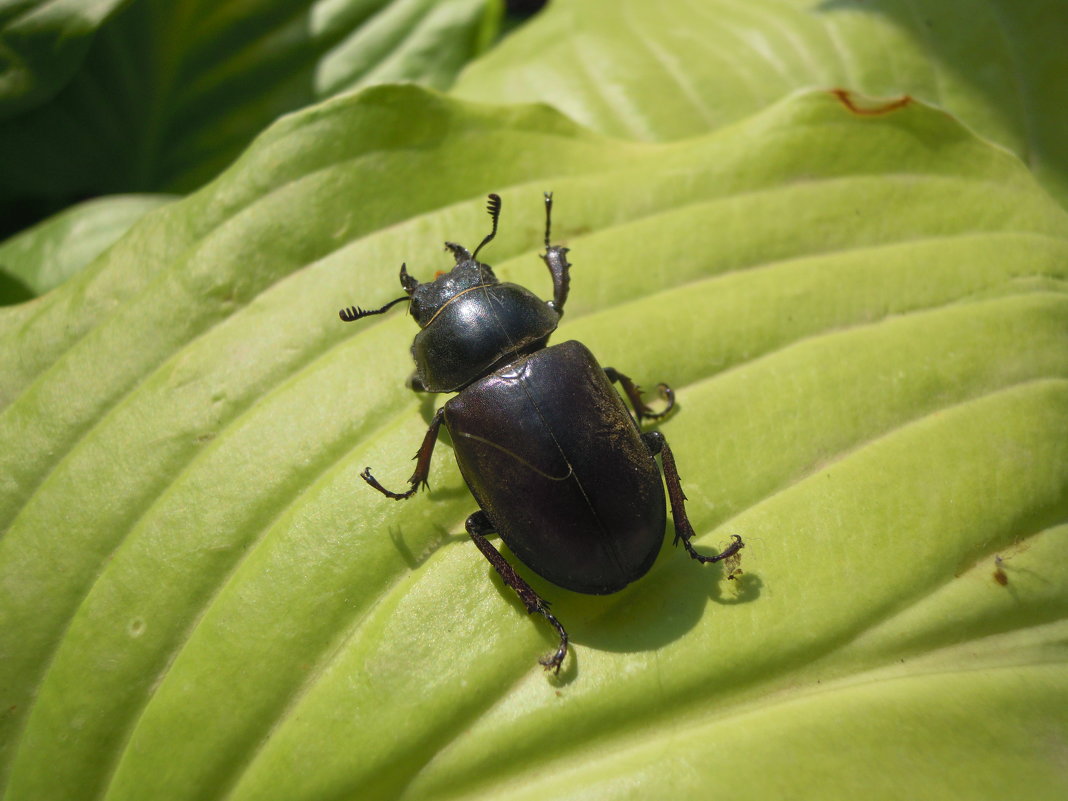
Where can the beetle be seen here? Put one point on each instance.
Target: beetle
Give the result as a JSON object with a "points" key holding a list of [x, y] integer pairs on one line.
{"points": [[560, 469]]}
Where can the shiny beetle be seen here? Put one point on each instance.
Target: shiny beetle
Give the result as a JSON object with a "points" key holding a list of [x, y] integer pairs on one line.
{"points": [[559, 467]]}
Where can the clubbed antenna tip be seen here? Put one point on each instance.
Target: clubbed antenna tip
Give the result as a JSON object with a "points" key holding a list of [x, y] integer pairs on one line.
{"points": [[354, 313], [493, 207]]}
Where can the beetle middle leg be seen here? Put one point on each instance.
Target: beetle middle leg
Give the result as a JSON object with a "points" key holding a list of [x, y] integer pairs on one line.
{"points": [[683, 530], [634, 395], [422, 465], [478, 526]]}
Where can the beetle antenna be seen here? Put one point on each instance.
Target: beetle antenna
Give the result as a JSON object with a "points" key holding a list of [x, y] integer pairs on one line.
{"points": [[354, 313], [494, 209]]}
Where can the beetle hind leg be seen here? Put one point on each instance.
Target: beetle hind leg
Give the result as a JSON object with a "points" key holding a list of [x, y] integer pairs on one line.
{"points": [[677, 498], [478, 525]]}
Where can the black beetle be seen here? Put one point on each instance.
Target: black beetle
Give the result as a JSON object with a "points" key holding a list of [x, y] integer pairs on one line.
{"points": [[561, 470]]}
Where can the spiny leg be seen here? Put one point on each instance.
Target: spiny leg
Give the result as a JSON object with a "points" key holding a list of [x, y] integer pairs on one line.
{"points": [[634, 395], [478, 526], [422, 465], [555, 258], [683, 530]]}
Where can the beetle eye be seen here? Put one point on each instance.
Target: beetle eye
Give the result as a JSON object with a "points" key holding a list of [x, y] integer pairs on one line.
{"points": [[413, 308]]}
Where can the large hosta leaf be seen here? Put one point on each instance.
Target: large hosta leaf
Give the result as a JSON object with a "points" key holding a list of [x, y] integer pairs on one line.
{"points": [[663, 70], [865, 319]]}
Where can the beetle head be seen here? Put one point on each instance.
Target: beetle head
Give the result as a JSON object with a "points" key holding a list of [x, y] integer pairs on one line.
{"points": [[428, 299], [488, 325]]}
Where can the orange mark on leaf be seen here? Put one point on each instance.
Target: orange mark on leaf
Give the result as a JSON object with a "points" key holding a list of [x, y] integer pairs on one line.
{"points": [[869, 107]]}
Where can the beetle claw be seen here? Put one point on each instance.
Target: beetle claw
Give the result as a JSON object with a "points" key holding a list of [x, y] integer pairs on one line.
{"points": [[552, 662]]}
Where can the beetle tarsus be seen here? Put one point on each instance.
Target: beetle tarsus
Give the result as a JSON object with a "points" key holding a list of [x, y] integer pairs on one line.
{"points": [[728, 552], [422, 464], [553, 662], [666, 394], [397, 496], [634, 395]]}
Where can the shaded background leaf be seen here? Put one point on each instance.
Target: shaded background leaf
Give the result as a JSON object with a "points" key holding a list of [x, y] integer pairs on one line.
{"points": [[865, 320], [159, 96], [672, 69], [43, 257], [42, 44]]}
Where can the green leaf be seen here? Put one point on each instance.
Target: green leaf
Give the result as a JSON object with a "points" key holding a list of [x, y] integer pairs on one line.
{"points": [[675, 68], [864, 318], [46, 255], [161, 96]]}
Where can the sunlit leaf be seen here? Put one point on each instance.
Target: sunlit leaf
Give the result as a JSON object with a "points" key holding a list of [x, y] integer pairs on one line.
{"points": [[670, 69]]}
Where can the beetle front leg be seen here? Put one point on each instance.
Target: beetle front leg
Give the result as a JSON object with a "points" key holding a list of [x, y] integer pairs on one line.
{"points": [[478, 526], [555, 258], [422, 466], [683, 530], [634, 395]]}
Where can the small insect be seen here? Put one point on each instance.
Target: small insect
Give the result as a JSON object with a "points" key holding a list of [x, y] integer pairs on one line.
{"points": [[1000, 576], [560, 469], [732, 566]]}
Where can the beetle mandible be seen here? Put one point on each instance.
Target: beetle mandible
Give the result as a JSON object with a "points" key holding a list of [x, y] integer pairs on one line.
{"points": [[559, 467]]}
